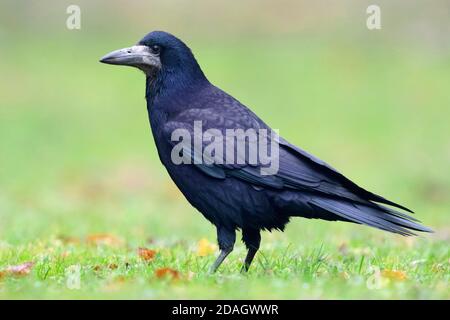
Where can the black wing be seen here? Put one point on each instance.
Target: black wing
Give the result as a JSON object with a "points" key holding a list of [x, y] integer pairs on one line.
{"points": [[298, 170]]}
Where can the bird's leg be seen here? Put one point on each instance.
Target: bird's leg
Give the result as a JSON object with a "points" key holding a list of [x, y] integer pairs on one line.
{"points": [[223, 254], [252, 240], [248, 259], [226, 239]]}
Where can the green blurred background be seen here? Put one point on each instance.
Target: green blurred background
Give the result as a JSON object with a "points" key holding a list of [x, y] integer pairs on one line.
{"points": [[76, 152]]}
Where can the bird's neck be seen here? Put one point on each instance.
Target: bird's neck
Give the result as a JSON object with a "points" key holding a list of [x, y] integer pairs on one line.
{"points": [[169, 86]]}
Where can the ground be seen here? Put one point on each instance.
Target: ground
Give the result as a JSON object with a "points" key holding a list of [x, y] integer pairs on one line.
{"points": [[82, 188]]}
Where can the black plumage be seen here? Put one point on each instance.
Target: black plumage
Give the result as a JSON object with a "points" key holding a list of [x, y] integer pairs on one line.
{"points": [[238, 196]]}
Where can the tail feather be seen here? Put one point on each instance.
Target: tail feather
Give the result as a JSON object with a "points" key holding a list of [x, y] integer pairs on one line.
{"points": [[396, 213], [375, 216]]}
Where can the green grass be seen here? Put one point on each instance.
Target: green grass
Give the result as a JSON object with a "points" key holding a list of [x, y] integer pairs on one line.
{"points": [[77, 159], [281, 270]]}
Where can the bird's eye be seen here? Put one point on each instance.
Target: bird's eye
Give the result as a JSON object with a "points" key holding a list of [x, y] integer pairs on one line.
{"points": [[155, 49]]}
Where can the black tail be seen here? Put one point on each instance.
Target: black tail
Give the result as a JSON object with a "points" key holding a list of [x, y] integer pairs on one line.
{"points": [[372, 214]]}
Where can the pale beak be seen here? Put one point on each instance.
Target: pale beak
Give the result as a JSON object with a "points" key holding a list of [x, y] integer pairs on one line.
{"points": [[136, 56]]}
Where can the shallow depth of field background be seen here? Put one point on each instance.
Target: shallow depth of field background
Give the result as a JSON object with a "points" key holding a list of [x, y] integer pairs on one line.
{"points": [[78, 162]]}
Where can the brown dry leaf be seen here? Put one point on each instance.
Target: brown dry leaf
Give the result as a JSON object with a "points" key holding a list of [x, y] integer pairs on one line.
{"points": [[111, 266], [18, 270], [167, 272], [204, 248], [104, 239], [146, 254], [394, 274]]}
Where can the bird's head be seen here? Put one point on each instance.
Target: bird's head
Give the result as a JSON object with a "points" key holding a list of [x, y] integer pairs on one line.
{"points": [[158, 53]]}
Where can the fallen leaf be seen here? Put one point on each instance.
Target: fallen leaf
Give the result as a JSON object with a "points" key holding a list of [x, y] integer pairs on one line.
{"points": [[167, 272], [18, 270], [104, 239], [146, 254], [394, 274], [204, 247], [97, 268]]}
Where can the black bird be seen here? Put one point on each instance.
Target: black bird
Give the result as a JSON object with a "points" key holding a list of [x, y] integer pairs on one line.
{"points": [[240, 196]]}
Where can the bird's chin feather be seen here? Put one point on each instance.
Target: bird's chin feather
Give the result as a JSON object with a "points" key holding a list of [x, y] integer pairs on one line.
{"points": [[149, 71]]}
